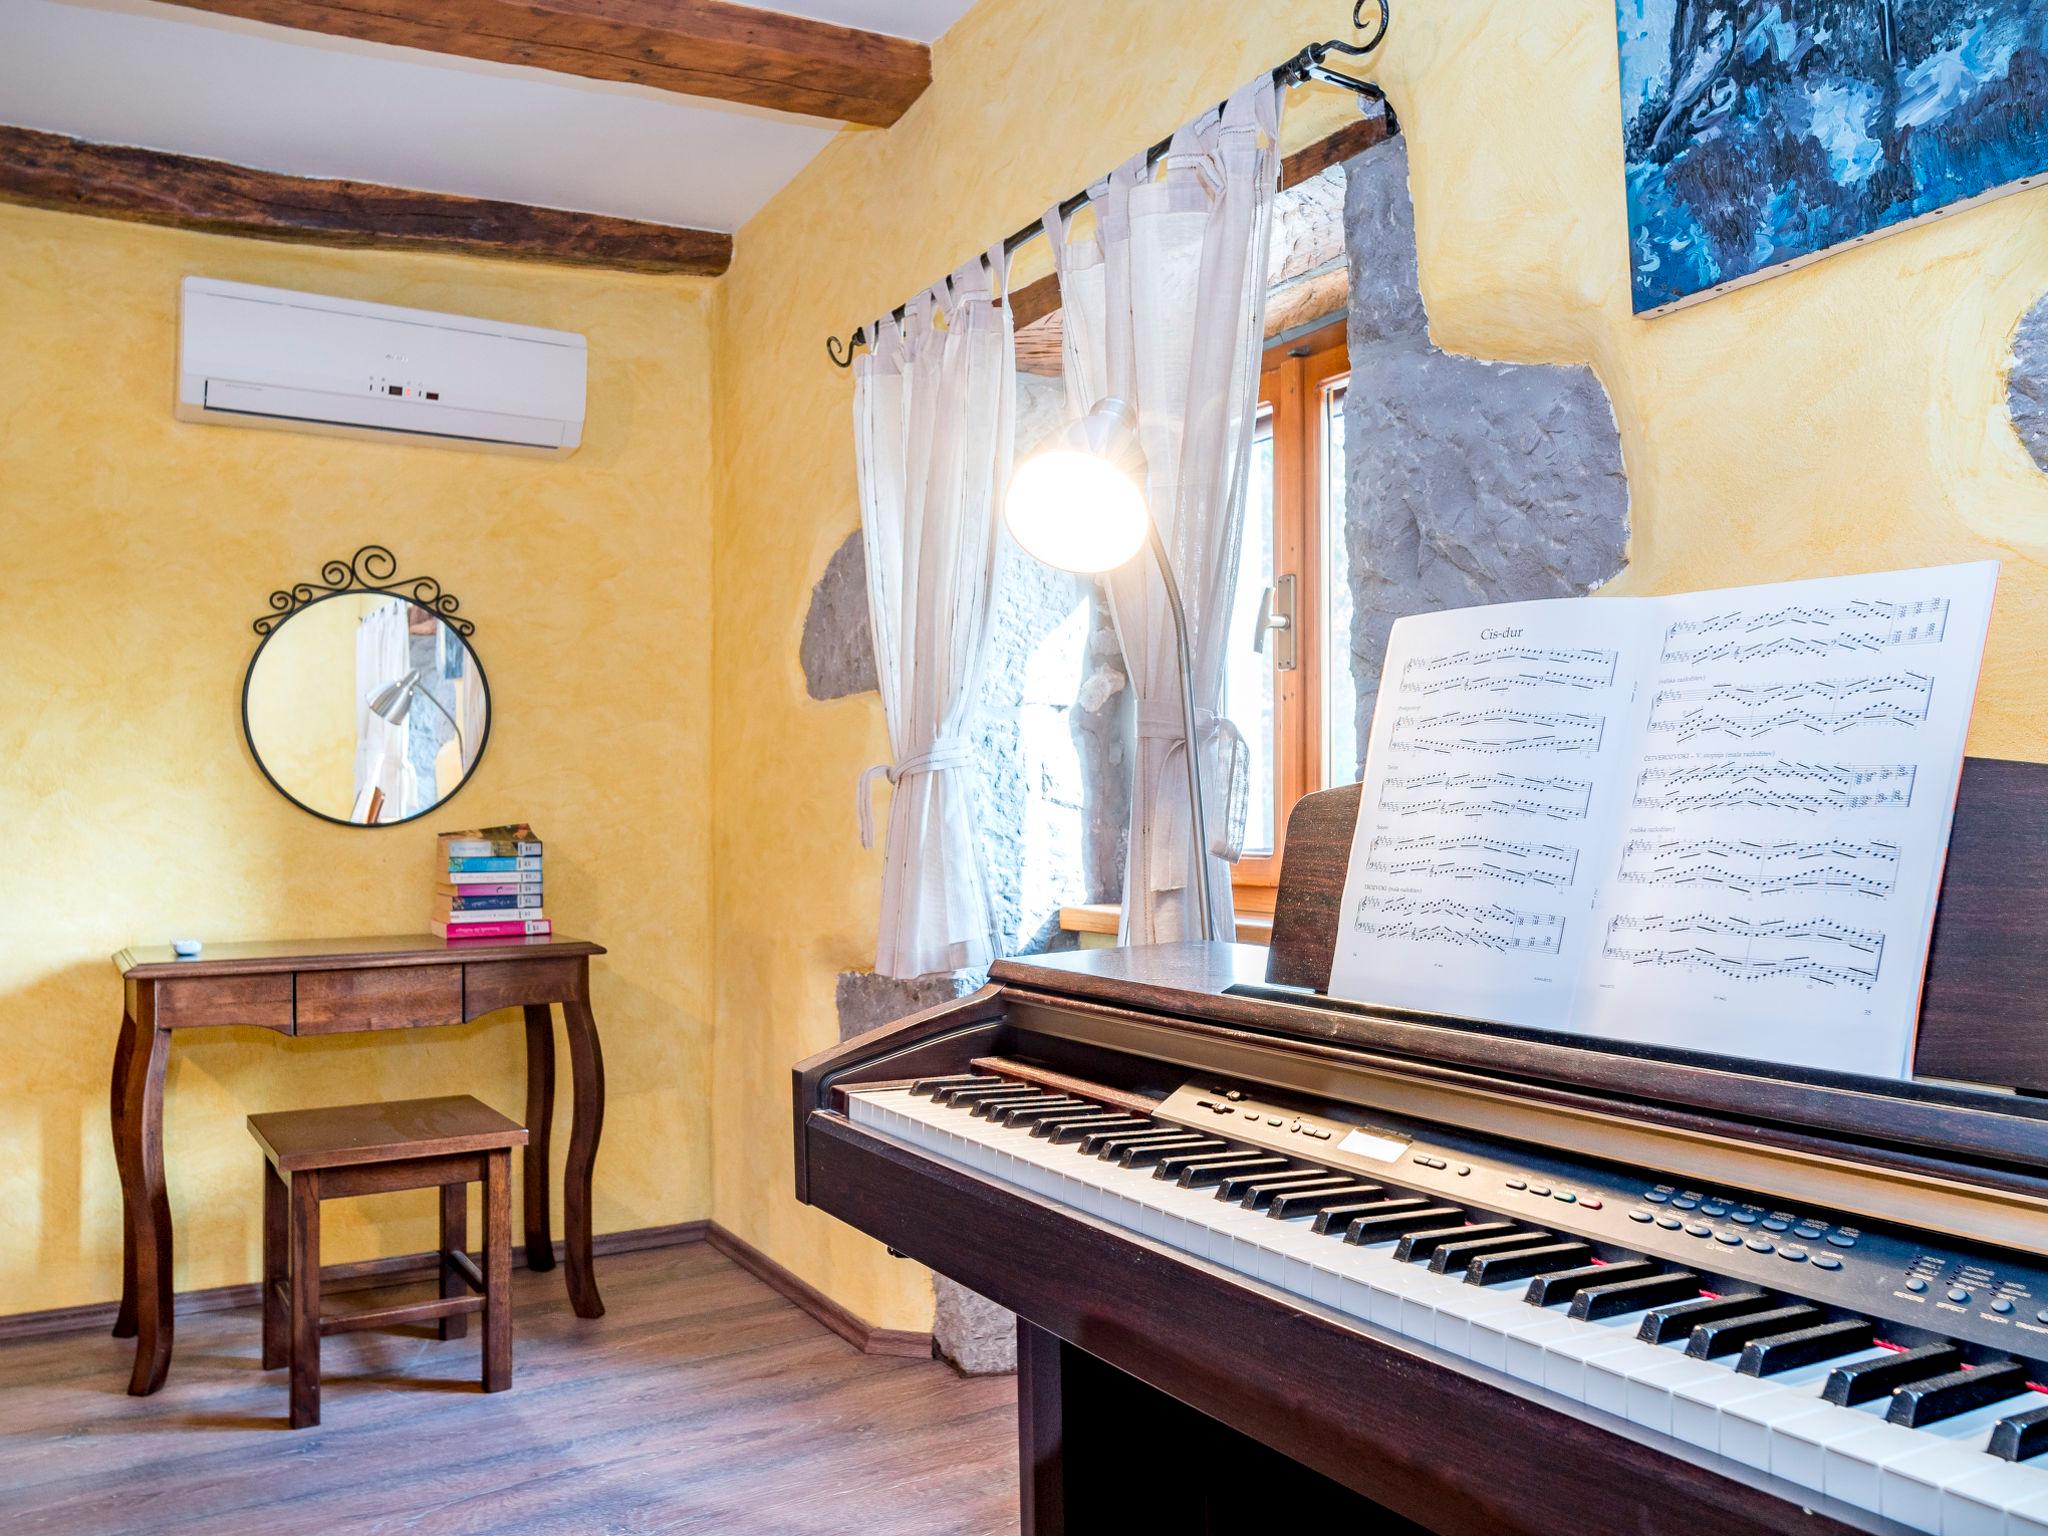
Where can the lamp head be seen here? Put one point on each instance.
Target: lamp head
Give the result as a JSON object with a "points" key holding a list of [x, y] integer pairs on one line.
{"points": [[393, 702], [1077, 504]]}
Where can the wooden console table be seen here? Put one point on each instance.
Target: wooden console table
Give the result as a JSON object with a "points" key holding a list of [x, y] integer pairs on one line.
{"points": [[339, 986]]}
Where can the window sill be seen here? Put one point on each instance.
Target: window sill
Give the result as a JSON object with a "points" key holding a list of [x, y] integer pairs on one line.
{"points": [[1096, 924]]}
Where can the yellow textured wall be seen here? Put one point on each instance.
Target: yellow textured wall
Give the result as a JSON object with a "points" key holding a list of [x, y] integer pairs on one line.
{"points": [[1843, 417], [134, 552], [300, 704]]}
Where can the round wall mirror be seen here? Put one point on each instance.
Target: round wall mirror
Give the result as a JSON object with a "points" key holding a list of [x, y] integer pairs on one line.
{"points": [[366, 708]]}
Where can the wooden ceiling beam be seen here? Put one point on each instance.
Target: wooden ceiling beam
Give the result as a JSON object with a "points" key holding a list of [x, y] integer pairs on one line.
{"points": [[145, 186], [693, 47]]}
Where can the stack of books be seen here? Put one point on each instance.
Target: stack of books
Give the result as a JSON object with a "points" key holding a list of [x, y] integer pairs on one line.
{"points": [[490, 884]]}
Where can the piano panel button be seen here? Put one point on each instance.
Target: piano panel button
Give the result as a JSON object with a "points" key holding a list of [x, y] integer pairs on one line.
{"points": [[1664, 1324], [2023, 1436], [1597, 1302], [1926, 1402], [1453, 1258], [1237, 1184], [1306, 1202], [1381, 1225], [1492, 1268], [1776, 1353], [1421, 1242], [1726, 1336], [1549, 1289], [1066, 1131], [1337, 1218], [1149, 1154], [1260, 1194], [1201, 1172], [1866, 1380]]}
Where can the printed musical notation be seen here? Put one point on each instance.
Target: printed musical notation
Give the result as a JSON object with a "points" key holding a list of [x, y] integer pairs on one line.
{"points": [[1473, 795], [1776, 784], [1472, 857], [1496, 732], [1762, 869], [1823, 706], [1503, 667], [1811, 949], [1802, 629], [1460, 924]]}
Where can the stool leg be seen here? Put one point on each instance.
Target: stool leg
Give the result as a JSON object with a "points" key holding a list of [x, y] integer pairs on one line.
{"points": [[497, 1271], [277, 1349], [305, 1309], [454, 1239]]}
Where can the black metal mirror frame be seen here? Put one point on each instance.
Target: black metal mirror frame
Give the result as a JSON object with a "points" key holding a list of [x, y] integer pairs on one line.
{"points": [[373, 568]]}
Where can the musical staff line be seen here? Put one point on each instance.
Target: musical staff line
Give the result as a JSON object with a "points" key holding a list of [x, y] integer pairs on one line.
{"points": [[1510, 666], [1824, 706], [1486, 794], [1801, 629], [1495, 732], [1776, 784], [1474, 856], [1460, 924], [1762, 869], [1810, 949]]}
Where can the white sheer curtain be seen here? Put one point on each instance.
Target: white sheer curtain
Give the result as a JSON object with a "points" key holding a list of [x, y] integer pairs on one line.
{"points": [[1164, 307], [383, 655], [934, 409]]}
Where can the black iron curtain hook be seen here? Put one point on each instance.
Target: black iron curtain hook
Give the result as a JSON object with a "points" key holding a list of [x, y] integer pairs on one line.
{"points": [[1359, 50], [841, 352]]}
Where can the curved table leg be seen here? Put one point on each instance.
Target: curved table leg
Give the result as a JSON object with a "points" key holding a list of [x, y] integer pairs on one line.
{"points": [[146, 1198], [586, 1068], [124, 1320], [540, 1116]]}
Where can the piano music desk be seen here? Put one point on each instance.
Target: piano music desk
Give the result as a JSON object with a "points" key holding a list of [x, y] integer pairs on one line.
{"points": [[341, 986]]}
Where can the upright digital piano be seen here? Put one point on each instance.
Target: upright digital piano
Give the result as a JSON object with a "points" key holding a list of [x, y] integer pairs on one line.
{"points": [[1278, 1259]]}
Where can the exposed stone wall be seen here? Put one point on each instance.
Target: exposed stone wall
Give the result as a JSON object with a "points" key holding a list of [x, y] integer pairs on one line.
{"points": [[838, 647], [2026, 386], [1467, 481]]}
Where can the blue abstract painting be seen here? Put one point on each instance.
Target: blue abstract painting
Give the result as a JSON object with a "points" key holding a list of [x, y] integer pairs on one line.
{"points": [[1762, 133]]}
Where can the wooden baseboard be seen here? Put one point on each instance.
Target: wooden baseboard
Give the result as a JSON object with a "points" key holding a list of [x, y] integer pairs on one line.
{"points": [[361, 1275], [857, 1331]]}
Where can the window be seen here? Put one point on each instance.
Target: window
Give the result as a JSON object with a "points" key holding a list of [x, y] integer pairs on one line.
{"points": [[1295, 698]]}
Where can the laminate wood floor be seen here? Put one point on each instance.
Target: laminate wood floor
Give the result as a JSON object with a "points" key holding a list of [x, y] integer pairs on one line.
{"points": [[701, 1401]]}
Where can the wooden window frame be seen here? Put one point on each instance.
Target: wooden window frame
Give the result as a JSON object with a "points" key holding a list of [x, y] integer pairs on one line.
{"points": [[1293, 385]]}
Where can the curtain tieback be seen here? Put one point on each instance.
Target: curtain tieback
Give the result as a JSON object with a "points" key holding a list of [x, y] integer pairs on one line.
{"points": [[947, 752], [1231, 755]]}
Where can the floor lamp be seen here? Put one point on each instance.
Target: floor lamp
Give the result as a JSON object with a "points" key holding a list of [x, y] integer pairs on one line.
{"points": [[1078, 505]]}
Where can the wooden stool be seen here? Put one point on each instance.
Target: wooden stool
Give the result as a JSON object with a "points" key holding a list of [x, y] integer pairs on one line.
{"points": [[366, 1149]]}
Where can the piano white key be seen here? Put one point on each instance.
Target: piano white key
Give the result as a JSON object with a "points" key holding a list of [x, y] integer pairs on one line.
{"points": [[1982, 1503], [1912, 1486], [1650, 1390], [1854, 1468], [2029, 1517], [1749, 1425]]}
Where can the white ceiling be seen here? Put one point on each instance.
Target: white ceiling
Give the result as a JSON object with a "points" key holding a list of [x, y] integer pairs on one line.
{"points": [[132, 72]]}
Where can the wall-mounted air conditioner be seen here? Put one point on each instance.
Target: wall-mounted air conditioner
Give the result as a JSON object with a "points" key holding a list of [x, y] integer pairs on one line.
{"points": [[269, 357]]}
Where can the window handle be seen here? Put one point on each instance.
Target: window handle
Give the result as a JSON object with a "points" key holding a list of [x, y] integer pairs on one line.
{"points": [[1276, 617]]}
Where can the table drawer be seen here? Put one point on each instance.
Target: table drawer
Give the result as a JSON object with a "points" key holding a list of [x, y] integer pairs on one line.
{"points": [[262, 1000], [402, 997]]}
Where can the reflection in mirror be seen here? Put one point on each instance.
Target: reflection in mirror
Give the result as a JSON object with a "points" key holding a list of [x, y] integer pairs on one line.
{"points": [[366, 708]]}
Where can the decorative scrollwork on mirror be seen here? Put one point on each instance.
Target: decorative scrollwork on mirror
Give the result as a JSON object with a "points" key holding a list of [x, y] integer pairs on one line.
{"points": [[365, 702], [373, 568]]}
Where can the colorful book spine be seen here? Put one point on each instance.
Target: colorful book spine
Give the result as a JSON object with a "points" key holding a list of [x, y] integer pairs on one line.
{"points": [[515, 903], [515, 915], [511, 930], [489, 848], [493, 865], [525, 880], [466, 895]]}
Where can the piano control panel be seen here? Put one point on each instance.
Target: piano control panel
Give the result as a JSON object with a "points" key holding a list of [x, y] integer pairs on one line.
{"points": [[1983, 1297]]}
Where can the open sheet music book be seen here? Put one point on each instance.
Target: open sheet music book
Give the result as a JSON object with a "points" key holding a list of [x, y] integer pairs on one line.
{"points": [[1713, 822]]}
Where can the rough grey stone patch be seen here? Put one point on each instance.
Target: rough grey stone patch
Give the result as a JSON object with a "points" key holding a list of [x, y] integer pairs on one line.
{"points": [[1102, 730], [838, 649], [976, 1335], [867, 1001], [2026, 386], [1466, 481]]}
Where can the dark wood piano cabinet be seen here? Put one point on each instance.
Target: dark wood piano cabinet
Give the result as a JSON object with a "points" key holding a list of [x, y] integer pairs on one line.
{"points": [[1342, 1410]]}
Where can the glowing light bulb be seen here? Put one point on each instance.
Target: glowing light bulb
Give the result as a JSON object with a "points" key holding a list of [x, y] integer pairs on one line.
{"points": [[1076, 511]]}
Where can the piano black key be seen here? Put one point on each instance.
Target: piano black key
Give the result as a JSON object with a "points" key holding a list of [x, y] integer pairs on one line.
{"points": [[1336, 1218], [1725, 1336], [2022, 1436], [1667, 1323], [1862, 1381], [1237, 1185], [1147, 1153], [1031, 1114], [1596, 1302], [1491, 1268], [1260, 1197], [1107, 1146], [1202, 1172], [1308, 1202], [969, 1094], [1093, 1143], [1549, 1289], [1380, 1224], [1929, 1402], [1087, 1119], [1420, 1244], [995, 1108], [1804, 1346], [925, 1087], [1074, 1130], [1451, 1258]]}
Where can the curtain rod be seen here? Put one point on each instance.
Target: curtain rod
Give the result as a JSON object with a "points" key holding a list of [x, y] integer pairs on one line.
{"points": [[1304, 66]]}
